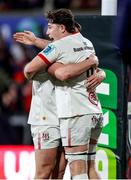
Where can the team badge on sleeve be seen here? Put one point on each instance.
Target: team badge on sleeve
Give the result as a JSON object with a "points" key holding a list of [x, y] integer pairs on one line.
{"points": [[48, 49]]}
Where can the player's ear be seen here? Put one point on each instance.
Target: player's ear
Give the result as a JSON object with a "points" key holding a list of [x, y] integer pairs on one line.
{"points": [[62, 28]]}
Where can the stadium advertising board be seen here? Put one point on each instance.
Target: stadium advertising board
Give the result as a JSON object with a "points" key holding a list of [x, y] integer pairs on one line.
{"points": [[18, 162]]}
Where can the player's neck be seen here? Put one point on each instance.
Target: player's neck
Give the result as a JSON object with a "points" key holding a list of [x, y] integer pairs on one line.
{"points": [[66, 34], [62, 35]]}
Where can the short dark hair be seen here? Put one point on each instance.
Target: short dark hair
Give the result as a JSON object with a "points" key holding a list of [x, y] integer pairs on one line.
{"points": [[62, 16], [77, 25]]}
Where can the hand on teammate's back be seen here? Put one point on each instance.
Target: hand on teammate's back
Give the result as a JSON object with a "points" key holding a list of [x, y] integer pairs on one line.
{"points": [[94, 80], [94, 60]]}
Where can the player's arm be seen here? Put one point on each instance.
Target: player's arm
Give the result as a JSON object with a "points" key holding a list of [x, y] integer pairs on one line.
{"points": [[43, 60], [29, 38], [94, 80], [65, 72], [36, 65]]}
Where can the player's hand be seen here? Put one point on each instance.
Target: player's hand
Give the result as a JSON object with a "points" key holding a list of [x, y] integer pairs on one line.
{"points": [[26, 37], [94, 60], [94, 80]]}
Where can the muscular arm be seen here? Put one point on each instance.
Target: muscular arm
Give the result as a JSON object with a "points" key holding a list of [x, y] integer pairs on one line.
{"points": [[60, 71], [65, 72], [33, 67], [41, 43], [29, 38]]}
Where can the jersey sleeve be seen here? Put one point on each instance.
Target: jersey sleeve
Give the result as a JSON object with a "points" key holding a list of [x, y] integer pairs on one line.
{"points": [[90, 46], [92, 50], [49, 54]]}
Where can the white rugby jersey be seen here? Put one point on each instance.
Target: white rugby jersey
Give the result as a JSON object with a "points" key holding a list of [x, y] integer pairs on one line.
{"points": [[72, 98], [43, 106]]}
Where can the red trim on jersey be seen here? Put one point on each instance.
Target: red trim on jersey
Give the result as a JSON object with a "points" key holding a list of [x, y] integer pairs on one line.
{"points": [[44, 59], [69, 137], [75, 33]]}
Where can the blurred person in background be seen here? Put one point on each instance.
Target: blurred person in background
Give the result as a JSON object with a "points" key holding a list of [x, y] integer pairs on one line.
{"points": [[6, 59], [11, 95], [7, 82], [9, 106]]}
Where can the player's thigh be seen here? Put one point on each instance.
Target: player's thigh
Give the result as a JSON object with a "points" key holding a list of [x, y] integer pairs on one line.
{"points": [[45, 159], [60, 165], [45, 137], [75, 131]]}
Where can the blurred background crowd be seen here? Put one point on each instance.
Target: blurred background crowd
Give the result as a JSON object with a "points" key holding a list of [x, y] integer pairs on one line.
{"points": [[35, 4], [15, 91]]}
